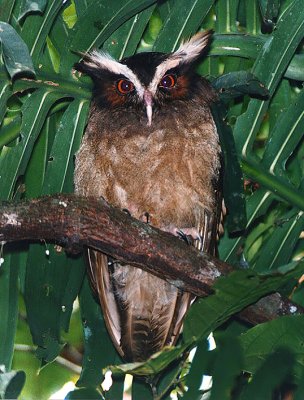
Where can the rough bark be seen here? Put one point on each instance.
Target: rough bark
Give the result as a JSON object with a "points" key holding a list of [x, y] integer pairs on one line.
{"points": [[75, 222]]}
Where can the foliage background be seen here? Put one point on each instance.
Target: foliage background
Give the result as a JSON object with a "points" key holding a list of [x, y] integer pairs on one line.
{"points": [[44, 105]]}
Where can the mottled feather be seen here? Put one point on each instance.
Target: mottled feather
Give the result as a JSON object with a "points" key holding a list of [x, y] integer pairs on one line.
{"points": [[169, 171]]}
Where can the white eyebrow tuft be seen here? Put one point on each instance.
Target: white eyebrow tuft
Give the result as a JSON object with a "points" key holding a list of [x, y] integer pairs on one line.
{"points": [[96, 59], [186, 53], [193, 48]]}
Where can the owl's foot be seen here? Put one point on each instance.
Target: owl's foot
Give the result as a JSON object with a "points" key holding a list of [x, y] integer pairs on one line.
{"points": [[189, 235]]}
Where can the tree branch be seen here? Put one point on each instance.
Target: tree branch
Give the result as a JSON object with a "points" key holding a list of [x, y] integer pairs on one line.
{"points": [[75, 222]]}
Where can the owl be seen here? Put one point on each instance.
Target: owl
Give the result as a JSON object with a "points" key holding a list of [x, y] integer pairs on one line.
{"points": [[151, 148]]}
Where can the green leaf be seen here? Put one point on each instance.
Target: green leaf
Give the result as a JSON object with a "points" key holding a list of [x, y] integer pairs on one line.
{"points": [[6, 8], [269, 9], [184, 20], [271, 375], [5, 93], [263, 339], [276, 184], [124, 41], [8, 307], [15, 52], [233, 179], [157, 363], [56, 278], [269, 68], [235, 84], [66, 143], [141, 390], [226, 16], [69, 15], [11, 384], [84, 393], [197, 369], [30, 6], [232, 294], [13, 160], [36, 29], [284, 137], [239, 45], [279, 247], [227, 366], [99, 350], [104, 18]]}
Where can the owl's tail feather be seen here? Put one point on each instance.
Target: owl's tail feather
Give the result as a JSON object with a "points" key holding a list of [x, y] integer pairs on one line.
{"points": [[150, 310]]}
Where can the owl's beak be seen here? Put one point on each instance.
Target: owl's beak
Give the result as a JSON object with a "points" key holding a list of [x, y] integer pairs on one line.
{"points": [[148, 99]]}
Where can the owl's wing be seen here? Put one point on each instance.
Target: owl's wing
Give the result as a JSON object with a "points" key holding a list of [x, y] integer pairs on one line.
{"points": [[100, 281], [210, 224], [142, 312]]}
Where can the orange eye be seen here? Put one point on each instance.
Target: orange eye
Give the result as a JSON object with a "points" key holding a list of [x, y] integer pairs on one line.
{"points": [[124, 86], [168, 81]]}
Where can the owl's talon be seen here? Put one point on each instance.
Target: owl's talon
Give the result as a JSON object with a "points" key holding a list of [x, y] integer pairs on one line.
{"points": [[182, 235], [147, 216], [125, 210]]}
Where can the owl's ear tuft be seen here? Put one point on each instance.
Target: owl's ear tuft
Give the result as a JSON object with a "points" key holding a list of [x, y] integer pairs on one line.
{"points": [[94, 63], [190, 50], [184, 56]]}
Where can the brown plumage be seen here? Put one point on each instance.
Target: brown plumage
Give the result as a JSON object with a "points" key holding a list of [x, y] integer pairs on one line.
{"points": [[150, 147]]}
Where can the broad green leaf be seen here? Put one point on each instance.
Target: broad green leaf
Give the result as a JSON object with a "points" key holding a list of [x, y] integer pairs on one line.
{"points": [[8, 306], [55, 278], [295, 69], [238, 45], [279, 104], [263, 339], [285, 136], [5, 93], [226, 16], [124, 41], [155, 364], [269, 9], [48, 276], [16, 56], [269, 68], [233, 179], [36, 28], [270, 376], [99, 350], [253, 17], [35, 171], [235, 84], [65, 145], [274, 183], [227, 366], [141, 390], [13, 160], [11, 384], [30, 6], [69, 15], [183, 21], [298, 393], [6, 8], [197, 369], [84, 393], [230, 248], [104, 18], [278, 249]]}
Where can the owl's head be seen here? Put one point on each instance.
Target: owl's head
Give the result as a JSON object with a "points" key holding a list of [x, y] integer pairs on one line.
{"points": [[146, 81]]}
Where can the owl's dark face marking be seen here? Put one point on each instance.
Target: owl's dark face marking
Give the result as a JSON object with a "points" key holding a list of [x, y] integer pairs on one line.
{"points": [[145, 82]]}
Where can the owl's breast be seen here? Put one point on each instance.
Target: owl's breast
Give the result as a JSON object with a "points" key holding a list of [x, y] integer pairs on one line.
{"points": [[165, 171]]}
